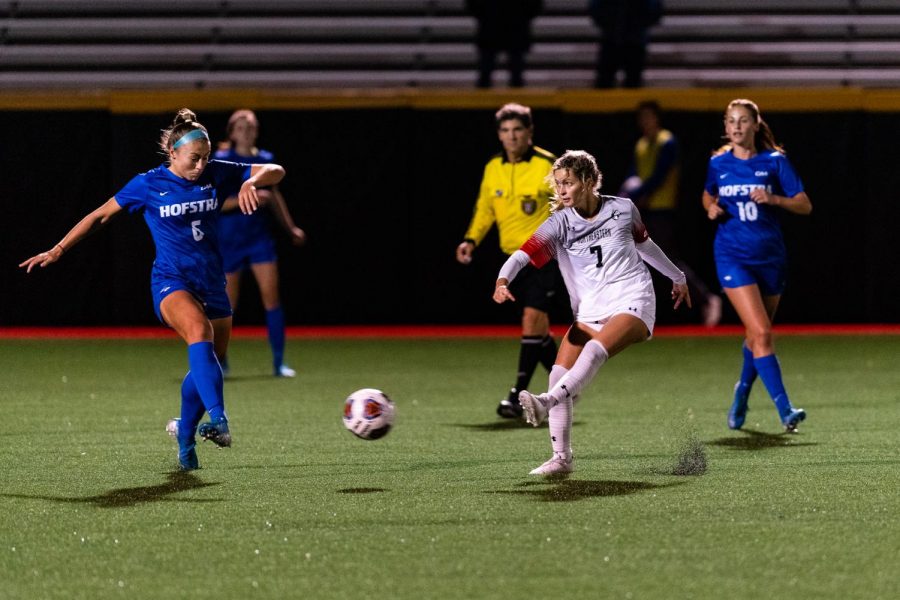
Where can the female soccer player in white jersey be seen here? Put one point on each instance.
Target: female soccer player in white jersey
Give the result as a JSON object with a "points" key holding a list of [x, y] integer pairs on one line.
{"points": [[179, 203], [601, 245], [748, 180]]}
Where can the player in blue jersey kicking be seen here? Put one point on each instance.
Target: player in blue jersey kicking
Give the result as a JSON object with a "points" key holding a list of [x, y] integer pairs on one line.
{"points": [[748, 181], [245, 240], [179, 203]]}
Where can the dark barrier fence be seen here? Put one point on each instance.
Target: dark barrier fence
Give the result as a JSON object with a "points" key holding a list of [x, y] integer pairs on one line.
{"points": [[385, 195]]}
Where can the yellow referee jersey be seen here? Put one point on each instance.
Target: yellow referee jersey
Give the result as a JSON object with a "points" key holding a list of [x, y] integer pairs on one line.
{"points": [[515, 196]]}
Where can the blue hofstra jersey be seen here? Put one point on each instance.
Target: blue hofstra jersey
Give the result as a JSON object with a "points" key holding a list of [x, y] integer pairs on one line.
{"points": [[183, 218], [750, 232]]}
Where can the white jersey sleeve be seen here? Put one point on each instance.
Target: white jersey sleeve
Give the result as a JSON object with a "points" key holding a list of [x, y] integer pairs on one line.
{"points": [[656, 258], [543, 245], [650, 253], [538, 250], [515, 263]]}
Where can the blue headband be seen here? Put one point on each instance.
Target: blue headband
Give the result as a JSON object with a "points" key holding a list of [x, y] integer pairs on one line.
{"points": [[194, 134]]}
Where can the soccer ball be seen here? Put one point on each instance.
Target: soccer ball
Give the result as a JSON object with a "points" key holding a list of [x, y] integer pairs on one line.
{"points": [[368, 414]]}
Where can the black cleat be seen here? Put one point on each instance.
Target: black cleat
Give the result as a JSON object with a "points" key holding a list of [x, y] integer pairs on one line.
{"points": [[509, 410]]}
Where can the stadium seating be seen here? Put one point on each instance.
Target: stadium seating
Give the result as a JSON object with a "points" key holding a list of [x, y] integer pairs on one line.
{"points": [[427, 43]]}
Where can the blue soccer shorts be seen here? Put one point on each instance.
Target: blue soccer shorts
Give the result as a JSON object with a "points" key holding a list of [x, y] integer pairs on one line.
{"points": [[261, 250], [770, 277], [215, 303]]}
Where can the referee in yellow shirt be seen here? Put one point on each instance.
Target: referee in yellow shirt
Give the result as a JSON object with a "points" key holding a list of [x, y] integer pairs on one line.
{"points": [[515, 196]]}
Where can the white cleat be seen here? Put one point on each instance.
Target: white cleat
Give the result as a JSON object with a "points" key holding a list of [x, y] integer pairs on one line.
{"points": [[285, 371], [558, 465], [534, 408], [172, 427]]}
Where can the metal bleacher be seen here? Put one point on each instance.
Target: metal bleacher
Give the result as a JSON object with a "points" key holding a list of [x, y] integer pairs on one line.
{"points": [[120, 44]]}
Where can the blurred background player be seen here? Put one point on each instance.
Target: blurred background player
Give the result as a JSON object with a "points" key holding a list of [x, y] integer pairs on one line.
{"points": [[246, 240], [601, 245], [653, 185], [515, 196], [748, 180], [180, 205]]}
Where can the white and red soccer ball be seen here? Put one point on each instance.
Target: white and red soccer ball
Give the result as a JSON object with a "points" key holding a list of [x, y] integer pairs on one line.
{"points": [[368, 414]]}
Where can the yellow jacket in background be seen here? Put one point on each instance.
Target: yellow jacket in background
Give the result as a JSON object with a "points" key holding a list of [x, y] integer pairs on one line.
{"points": [[656, 164]]}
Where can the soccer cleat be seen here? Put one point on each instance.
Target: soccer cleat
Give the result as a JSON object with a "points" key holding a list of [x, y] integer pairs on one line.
{"points": [[793, 419], [509, 410], [557, 465], [172, 426], [285, 371], [738, 411], [217, 432], [533, 408]]}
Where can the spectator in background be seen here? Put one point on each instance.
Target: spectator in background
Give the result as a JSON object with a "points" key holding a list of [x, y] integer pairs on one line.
{"points": [[624, 26], [653, 186], [503, 26]]}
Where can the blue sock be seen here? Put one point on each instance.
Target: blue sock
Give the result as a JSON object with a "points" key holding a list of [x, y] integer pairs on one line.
{"points": [[748, 376], [275, 324], [748, 371], [191, 406], [770, 373], [207, 376]]}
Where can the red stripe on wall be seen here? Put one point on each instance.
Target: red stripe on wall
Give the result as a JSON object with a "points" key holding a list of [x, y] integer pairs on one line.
{"points": [[427, 331]]}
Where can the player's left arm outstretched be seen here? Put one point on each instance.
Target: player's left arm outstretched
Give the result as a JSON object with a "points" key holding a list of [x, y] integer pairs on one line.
{"points": [[86, 226]]}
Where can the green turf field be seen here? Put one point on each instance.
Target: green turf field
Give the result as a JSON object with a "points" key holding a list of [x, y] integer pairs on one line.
{"points": [[91, 505]]}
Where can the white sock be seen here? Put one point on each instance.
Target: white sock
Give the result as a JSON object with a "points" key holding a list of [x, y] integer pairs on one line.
{"points": [[559, 418], [582, 372], [556, 373]]}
